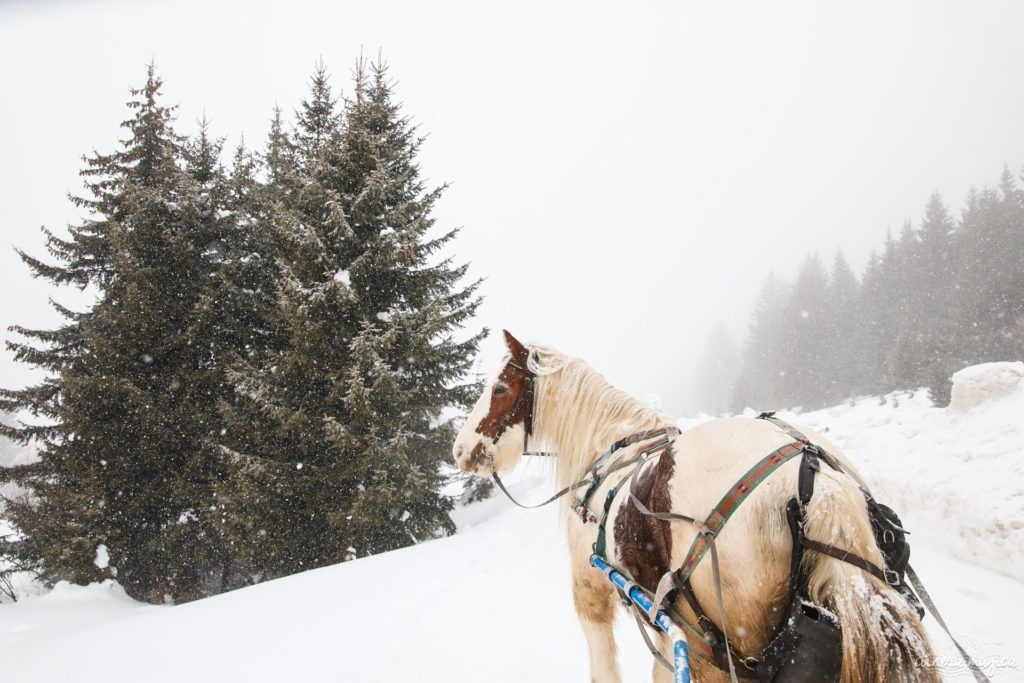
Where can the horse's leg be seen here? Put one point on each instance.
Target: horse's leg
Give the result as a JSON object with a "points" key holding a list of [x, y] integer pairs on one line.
{"points": [[659, 673], [595, 607], [595, 600]]}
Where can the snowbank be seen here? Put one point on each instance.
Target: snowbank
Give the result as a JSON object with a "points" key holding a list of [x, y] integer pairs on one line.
{"points": [[980, 384]]}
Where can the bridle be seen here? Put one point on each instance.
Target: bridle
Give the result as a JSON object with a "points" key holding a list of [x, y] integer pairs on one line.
{"points": [[526, 396], [527, 401]]}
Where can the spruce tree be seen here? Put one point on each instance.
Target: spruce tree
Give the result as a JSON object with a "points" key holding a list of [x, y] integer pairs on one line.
{"points": [[718, 372], [59, 524], [336, 441], [763, 369], [882, 305], [870, 295], [807, 372], [937, 302], [129, 463], [1003, 284], [406, 358], [940, 297], [287, 483], [842, 342]]}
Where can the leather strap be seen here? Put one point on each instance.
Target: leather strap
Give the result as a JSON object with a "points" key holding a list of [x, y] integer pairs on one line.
{"points": [[797, 435], [552, 499], [635, 611], [729, 503], [888, 576], [668, 432]]}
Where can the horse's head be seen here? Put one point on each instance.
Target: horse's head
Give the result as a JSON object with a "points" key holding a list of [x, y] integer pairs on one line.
{"points": [[496, 431]]}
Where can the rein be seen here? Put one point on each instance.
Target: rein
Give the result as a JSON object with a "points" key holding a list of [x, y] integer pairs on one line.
{"points": [[594, 477]]}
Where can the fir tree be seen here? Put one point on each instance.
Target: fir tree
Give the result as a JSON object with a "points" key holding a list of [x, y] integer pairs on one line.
{"points": [[763, 370], [409, 305], [59, 524], [806, 321], [345, 456], [842, 334], [129, 461], [718, 373], [940, 297]]}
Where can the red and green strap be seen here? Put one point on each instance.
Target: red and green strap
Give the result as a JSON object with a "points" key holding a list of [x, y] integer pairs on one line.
{"points": [[731, 501]]}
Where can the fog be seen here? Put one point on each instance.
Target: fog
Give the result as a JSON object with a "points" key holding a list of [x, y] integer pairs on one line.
{"points": [[625, 176]]}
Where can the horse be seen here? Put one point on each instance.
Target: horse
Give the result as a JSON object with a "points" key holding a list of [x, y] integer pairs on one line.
{"points": [[542, 397]]}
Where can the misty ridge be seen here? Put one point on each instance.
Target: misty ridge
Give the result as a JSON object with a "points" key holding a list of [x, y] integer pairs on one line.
{"points": [[944, 294]]}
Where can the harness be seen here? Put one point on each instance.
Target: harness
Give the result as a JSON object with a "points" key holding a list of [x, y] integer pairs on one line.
{"points": [[806, 622], [807, 644]]}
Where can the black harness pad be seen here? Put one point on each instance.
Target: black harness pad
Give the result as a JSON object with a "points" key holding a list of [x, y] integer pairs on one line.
{"points": [[891, 538], [808, 648]]}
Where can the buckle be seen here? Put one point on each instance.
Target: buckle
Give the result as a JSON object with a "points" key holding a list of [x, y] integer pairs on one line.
{"points": [[708, 627], [624, 592], [584, 513], [892, 578], [751, 663], [704, 530]]}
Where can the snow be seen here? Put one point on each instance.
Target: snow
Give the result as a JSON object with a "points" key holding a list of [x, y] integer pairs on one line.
{"points": [[343, 277], [978, 384], [102, 560], [493, 602]]}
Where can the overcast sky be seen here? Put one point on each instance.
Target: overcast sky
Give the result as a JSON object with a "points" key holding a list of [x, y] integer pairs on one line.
{"points": [[626, 174]]}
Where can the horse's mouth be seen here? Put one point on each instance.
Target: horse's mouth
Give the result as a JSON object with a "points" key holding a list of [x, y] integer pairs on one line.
{"points": [[477, 457]]}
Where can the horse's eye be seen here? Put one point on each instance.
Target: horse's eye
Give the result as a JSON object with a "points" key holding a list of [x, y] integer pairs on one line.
{"points": [[500, 389]]}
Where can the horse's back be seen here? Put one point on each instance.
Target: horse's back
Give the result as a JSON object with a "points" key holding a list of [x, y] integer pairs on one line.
{"points": [[755, 545], [714, 455]]}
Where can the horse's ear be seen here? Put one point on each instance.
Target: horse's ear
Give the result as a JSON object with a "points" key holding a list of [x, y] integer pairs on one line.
{"points": [[516, 348]]}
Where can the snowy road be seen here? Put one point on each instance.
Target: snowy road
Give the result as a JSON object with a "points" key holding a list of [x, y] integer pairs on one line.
{"points": [[491, 603]]}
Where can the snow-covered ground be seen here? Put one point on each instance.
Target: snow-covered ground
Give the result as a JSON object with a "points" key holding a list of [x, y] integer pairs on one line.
{"points": [[492, 603]]}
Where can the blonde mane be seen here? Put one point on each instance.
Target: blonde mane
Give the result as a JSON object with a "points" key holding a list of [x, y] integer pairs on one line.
{"points": [[578, 414]]}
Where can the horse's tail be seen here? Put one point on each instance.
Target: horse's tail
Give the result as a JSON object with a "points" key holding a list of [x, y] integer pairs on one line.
{"points": [[883, 638]]}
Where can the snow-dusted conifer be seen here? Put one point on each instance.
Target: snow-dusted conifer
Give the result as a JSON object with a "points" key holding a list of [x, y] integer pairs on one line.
{"points": [[346, 424], [129, 461]]}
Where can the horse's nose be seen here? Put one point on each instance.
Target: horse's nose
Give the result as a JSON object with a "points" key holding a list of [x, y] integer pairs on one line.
{"points": [[464, 463]]}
